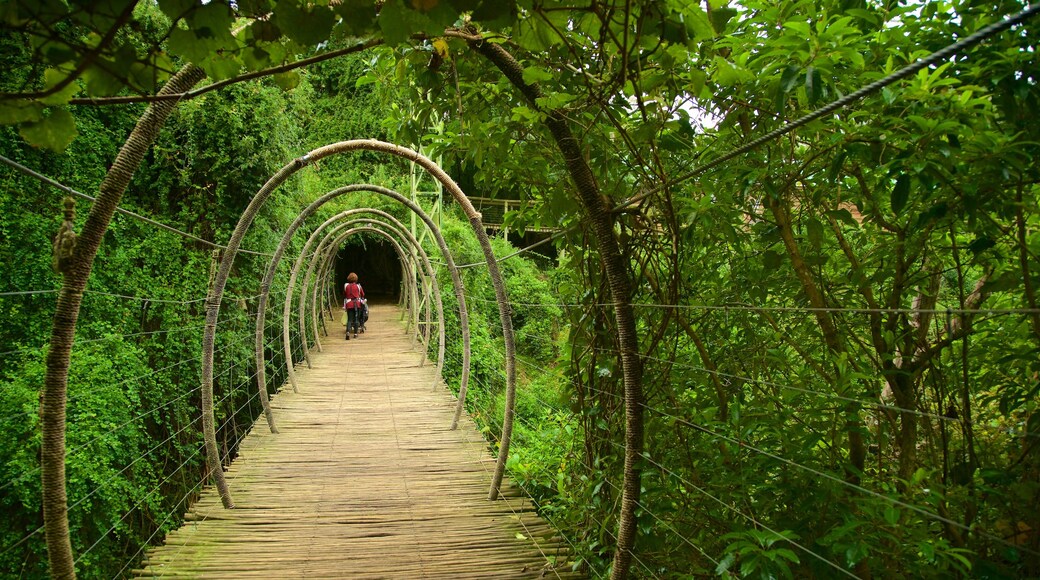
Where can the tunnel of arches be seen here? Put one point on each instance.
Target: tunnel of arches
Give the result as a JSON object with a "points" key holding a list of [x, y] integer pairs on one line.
{"points": [[376, 264]]}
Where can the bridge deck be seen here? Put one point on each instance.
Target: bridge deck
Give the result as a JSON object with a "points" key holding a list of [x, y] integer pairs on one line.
{"points": [[364, 480]]}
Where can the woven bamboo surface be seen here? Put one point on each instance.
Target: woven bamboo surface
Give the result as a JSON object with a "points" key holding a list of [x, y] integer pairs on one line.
{"points": [[364, 480]]}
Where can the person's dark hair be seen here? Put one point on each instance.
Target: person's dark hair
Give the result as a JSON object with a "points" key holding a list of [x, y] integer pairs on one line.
{"points": [[352, 277]]}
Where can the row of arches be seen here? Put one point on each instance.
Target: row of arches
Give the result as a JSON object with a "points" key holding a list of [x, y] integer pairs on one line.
{"points": [[317, 262], [315, 269]]}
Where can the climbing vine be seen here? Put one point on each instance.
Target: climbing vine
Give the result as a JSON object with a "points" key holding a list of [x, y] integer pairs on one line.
{"points": [[834, 334]]}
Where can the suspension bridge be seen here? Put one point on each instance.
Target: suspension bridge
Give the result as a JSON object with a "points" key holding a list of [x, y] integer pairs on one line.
{"points": [[367, 467], [364, 480]]}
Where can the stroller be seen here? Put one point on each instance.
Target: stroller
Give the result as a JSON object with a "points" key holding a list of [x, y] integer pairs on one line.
{"points": [[362, 316]]}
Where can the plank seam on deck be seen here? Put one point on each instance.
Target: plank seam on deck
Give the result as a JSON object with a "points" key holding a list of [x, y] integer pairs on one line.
{"points": [[348, 476]]}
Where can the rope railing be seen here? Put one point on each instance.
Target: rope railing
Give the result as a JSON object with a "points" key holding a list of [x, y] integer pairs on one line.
{"points": [[61, 187], [792, 309], [679, 421], [97, 489]]}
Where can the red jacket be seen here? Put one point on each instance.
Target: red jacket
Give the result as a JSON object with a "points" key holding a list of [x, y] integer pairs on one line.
{"points": [[352, 295]]}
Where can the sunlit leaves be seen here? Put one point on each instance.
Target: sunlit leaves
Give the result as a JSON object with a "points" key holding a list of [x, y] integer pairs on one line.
{"points": [[692, 17], [535, 74], [177, 9], [54, 132], [534, 34], [288, 80], [52, 79], [19, 111], [307, 24], [207, 40], [728, 73]]}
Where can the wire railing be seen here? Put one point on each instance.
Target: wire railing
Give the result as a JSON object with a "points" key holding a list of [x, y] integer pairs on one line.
{"points": [[153, 428], [672, 417], [644, 563]]}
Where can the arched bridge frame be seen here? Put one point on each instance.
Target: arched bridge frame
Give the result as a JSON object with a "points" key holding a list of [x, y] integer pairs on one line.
{"points": [[213, 300]]}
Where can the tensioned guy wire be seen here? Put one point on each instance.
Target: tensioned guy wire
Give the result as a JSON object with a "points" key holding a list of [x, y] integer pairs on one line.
{"points": [[934, 58], [794, 309], [861, 489], [123, 517], [645, 509], [893, 501], [96, 489], [28, 292], [198, 485], [44, 179]]}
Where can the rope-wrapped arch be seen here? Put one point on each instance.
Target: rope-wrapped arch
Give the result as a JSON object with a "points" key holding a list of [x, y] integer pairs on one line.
{"points": [[396, 227], [272, 268], [213, 301]]}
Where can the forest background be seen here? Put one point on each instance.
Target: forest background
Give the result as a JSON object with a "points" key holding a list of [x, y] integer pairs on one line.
{"points": [[820, 358]]}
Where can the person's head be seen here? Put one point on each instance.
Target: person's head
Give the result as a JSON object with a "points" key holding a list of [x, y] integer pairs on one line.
{"points": [[352, 277]]}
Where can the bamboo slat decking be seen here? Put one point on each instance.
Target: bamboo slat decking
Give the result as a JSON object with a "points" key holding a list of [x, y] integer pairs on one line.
{"points": [[364, 480]]}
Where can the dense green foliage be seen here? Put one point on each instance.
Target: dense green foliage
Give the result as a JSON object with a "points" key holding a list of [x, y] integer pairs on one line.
{"points": [[838, 331], [134, 436]]}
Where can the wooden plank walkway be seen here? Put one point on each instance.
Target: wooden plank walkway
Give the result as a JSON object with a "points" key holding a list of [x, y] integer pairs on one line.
{"points": [[364, 480]]}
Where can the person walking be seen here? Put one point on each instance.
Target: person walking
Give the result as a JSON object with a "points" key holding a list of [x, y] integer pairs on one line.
{"points": [[353, 302]]}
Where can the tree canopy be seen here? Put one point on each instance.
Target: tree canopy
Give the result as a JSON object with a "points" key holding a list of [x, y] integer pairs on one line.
{"points": [[819, 355]]}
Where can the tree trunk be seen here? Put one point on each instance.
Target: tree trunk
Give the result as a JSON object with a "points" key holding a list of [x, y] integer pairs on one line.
{"points": [[599, 212], [853, 421], [70, 297]]}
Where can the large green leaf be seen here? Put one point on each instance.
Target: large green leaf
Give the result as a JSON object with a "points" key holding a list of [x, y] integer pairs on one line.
{"points": [[52, 77], [900, 193], [533, 34], [307, 24], [398, 23], [53, 132], [19, 111]]}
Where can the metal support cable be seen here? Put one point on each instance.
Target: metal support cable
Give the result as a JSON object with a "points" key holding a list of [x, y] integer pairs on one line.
{"points": [[745, 445], [934, 58], [28, 292], [75, 397], [174, 510], [645, 509], [814, 471], [98, 488], [44, 179], [797, 389], [199, 485], [825, 475], [718, 373], [661, 521], [733, 509], [490, 477], [792, 309]]}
